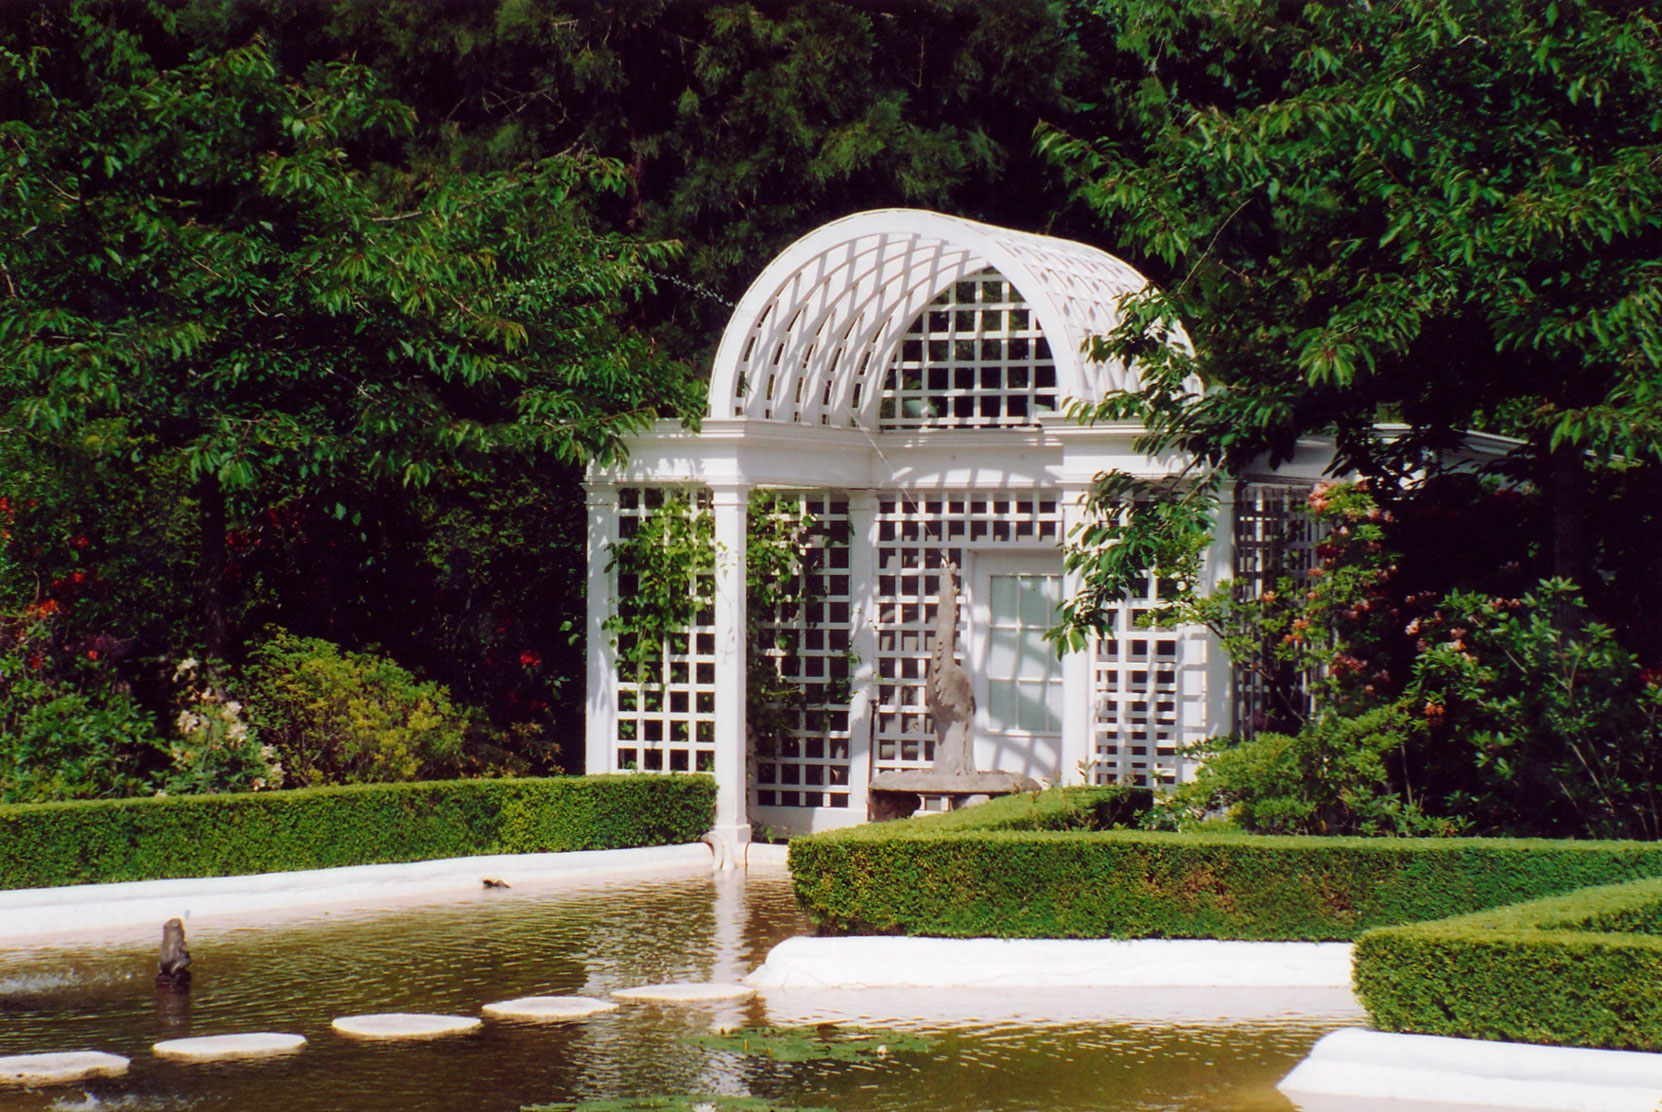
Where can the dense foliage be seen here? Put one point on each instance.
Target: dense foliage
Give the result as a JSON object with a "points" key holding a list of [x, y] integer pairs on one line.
{"points": [[1569, 970], [1442, 214], [1389, 707], [955, 877], [300, 293], [94, 842], [311, 313]]}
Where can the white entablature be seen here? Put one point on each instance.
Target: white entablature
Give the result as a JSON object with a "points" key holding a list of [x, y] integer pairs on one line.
{"points": [[812, 337]]}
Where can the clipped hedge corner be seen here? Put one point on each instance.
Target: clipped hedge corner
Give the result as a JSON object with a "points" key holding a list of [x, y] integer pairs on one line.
{"points": [[1037, 866], [97, 841], [1574, 970]]}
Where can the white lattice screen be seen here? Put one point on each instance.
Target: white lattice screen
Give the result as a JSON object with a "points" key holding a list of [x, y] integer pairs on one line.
{"points": [[810, 767], [1275, 536], [666, 722], [913, 538], [975, 358], [1136, 725]]}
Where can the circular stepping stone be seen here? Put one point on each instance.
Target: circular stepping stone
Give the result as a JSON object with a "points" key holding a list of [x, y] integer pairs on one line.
{"points": [[404, 1025], [547, 1008], [213, 1048], [58, 1068], [687, 992]]}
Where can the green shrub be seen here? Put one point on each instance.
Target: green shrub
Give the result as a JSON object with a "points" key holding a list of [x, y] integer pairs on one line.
{"points": [[1574, 970], [49, 844], [337, 717], [1332, 777], [995, 870]]}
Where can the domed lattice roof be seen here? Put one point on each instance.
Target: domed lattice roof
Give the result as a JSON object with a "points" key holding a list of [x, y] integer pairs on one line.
{"points": [[818, 337]]}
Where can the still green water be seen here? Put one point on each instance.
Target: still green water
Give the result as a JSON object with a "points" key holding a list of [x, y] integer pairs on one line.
{"points": [[297, 974]]}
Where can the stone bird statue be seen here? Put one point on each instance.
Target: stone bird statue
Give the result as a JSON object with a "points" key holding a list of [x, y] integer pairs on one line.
{"points": [[173, 971], [947, 686]]}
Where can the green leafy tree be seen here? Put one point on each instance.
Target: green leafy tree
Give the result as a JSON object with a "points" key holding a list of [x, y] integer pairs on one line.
{"points": [[739, 125], [1446, 213], [248, 272]]}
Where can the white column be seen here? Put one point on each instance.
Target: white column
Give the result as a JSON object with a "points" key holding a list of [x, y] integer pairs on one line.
{"points": [[731, 503], [862, 597], [600, 720], [1210, 711], [1078, 678]]}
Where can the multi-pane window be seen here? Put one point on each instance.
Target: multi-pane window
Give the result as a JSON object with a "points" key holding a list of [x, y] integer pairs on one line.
{"points": [[1024, 677]]}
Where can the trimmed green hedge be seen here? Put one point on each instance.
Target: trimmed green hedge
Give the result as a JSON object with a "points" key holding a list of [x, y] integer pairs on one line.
{"points": [[1013, 868], [1574, 970], [50, 844]]}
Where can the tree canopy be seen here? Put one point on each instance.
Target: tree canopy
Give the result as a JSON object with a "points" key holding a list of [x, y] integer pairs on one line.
{"points": [[1439, 213], [241, 270]]}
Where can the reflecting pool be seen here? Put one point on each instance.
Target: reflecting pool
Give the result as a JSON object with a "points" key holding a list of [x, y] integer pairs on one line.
{"points": [[1009, 1050]]}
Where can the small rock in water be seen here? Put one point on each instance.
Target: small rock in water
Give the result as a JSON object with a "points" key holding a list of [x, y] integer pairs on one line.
{"points": [[492, 883]]}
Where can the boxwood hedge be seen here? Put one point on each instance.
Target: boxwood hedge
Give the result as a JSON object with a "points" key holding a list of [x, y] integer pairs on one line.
{"points": [[1577, 970], [86, 842], [1037, 866]]}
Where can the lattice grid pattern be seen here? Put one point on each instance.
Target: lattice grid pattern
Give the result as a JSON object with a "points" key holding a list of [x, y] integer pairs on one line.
{"points": [[667, 722], [810, 767], [975, 358], [913, 538], [1135, 726], [1275, 536]]}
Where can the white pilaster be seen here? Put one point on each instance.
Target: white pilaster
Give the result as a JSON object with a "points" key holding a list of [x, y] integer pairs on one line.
{"points": [[1078, 679], [600, 721], [862, 596], [731, 504], [1209, 712]]}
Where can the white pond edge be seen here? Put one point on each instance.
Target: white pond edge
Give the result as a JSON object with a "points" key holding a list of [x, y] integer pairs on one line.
{"points": [[1360, 1065], [37, 913], [899, 962]]}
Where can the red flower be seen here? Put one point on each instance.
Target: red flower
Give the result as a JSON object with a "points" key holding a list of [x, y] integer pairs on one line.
{"points": [[529, 658]]}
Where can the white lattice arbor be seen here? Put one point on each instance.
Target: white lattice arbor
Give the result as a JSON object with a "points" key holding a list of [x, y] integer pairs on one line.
{"points": [[904, 374]]}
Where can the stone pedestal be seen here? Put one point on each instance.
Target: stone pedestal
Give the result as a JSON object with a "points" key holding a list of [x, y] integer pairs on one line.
{"points": [[895, 795]]}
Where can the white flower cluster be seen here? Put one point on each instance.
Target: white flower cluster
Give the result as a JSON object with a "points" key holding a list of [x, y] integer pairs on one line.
{"points": [[217, 749]]}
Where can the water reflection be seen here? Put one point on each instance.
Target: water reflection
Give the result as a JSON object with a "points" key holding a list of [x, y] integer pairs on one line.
{"points": [[297, 975]]}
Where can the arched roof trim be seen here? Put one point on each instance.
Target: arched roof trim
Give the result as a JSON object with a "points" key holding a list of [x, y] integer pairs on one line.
{"points": [[810, 339]]}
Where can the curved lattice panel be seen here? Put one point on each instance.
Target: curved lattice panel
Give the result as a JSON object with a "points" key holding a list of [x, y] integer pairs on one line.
{"points": [[815, 337]]}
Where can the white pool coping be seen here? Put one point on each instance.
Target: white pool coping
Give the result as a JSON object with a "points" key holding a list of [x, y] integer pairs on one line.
{"points": [[37, 914], [1351, 1066], [857, 962]]}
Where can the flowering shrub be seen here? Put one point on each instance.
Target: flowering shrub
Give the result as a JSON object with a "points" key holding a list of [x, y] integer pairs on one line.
{"points": [[1536, 720], [59, 743], [216, 750], [1395, 709], [335, 717], [66, 730]]}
